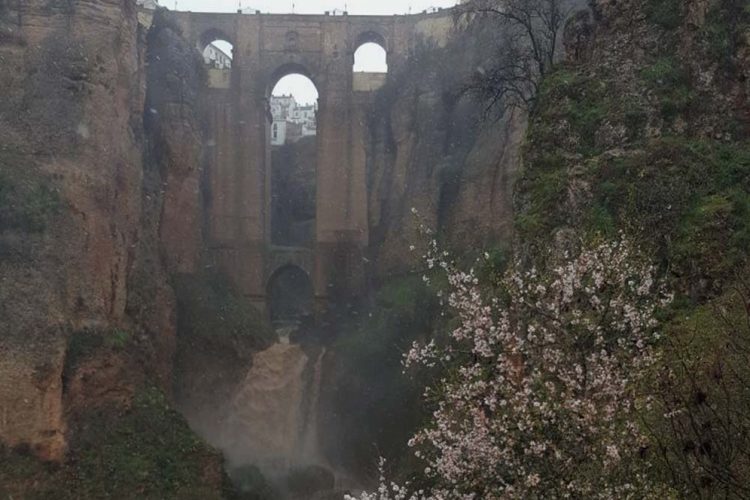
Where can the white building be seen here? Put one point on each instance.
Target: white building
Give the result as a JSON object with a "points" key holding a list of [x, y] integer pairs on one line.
{"points": [[278, 132], [216, 58], [282, 107], [147, 4], [291, 121], [307, 117]]}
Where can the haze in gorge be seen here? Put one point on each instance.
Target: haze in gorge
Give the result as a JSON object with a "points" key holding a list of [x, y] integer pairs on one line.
{"points": [[327, 250]]}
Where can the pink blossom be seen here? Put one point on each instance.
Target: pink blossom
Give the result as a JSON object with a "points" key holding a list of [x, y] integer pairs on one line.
{"points": [[543, 402]]}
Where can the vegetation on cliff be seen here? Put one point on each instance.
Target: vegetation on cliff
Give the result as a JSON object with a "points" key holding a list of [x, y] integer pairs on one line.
{"points": [[210, 310], [144, 451], [27, 202], [369, 391], [538, 394], [642, 132]]}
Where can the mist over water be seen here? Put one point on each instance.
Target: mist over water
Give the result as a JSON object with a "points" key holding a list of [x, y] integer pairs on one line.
{"points": [[272, 421], [268, 418]]}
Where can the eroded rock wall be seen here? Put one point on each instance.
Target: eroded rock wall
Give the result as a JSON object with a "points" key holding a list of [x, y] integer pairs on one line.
{"points": [[645, 130], [432, 150], [100, 202], [176, 76], [70, 122]]}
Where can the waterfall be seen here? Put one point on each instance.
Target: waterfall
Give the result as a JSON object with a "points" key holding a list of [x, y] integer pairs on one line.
{"points": [[310, 429], [273, 418]]}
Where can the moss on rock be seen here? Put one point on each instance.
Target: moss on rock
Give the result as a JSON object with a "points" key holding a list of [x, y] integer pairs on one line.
{"points": [[27, 202], [209, 308], [146, 451]]}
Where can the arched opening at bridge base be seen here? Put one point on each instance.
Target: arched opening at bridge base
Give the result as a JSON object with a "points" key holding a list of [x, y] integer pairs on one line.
{"points": [[290, 298], [294, 147]]}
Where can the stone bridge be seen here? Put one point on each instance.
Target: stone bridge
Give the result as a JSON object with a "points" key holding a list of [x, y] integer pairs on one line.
{"points": [[268, 47]]}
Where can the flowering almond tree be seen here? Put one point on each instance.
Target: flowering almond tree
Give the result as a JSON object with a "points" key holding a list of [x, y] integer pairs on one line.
{"points": [[539, 397]]}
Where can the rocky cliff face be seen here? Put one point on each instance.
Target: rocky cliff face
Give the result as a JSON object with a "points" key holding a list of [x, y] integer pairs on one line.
{"points": [[646, 128], [645, 132], [95, 213], [432, 149], [176, 76], [71, 174], [99, 204]]}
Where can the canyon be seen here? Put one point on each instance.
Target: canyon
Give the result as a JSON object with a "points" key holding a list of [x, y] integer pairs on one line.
{"points": [[161, 335], [134, 170]]}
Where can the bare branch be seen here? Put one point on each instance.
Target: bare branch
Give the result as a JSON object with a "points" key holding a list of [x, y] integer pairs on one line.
{"points": [[530, 31]]}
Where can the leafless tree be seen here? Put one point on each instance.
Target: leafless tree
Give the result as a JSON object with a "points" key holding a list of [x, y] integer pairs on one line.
{"points": [[526, 47]]}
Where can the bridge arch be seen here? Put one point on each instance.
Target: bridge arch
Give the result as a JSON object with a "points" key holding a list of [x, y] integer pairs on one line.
{"points": [[239, 162], [371, 36], [290, 294], [287, 69], [211, 35], [218, 51], [293, 157]]}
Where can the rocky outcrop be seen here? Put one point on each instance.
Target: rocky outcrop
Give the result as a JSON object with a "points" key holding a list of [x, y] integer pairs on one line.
{"points": [[432, 150], [176, 76], [95, 211], [70, 119], [217, 333], [646, 127]]}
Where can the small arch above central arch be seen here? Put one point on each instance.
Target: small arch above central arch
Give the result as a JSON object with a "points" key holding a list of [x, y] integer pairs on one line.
{"points": [[217, 52], [370, 56], [370, 36], [213, 35]]}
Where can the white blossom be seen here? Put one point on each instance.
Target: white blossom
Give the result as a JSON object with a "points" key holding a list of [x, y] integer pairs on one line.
{"points": [[542, 402]]}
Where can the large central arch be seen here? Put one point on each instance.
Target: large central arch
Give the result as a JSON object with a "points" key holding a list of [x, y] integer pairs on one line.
{"points": [[293, 145], [286, 69]]}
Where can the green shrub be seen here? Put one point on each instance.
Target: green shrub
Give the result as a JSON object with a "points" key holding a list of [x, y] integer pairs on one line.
{"points": [[664, 72], [23, 476], [573, 106], [727, 23], [305, 481], [208, 308], [665, 13], [26, 203], [147, 451], [688, 198], [251, 484], [83, 344], [547, 190], [583, 101], [118, 338], [372, 392], [672, 85], [701, 420]]}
